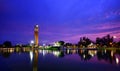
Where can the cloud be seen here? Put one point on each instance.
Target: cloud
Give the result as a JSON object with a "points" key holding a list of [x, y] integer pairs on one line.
{"points": [[92, 36]]}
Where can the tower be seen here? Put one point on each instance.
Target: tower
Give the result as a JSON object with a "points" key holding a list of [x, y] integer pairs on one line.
{"points": [[36, 29]]}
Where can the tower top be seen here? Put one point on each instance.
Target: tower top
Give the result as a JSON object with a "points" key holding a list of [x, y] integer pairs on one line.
{"points": [[37, 26]]}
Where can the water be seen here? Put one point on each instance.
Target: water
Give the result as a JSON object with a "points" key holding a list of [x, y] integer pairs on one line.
{"points": [[64, 60]]}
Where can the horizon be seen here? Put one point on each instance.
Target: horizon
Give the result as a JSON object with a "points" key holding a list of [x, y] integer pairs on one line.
{"points": [[58, 20], [114, 40]]}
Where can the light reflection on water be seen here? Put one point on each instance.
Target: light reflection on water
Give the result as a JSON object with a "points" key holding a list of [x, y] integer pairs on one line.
{"points": [[101, 57]]}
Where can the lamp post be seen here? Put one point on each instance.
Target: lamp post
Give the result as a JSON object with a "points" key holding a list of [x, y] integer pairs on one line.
{"points": [[31, 43]]}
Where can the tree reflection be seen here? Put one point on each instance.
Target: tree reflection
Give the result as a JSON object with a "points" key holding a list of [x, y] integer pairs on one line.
{"points": [[107, 55], [6, 54], [84, 55], [61, 54]]}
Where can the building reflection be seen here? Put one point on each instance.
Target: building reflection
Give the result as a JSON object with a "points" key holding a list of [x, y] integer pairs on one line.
{"points": [[55, 53]]}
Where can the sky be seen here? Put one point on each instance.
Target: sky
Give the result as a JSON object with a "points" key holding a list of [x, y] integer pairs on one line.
{"points": [[66, 20]]}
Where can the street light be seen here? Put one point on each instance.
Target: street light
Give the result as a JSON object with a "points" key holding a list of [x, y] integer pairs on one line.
{"points": [[31, 42]]}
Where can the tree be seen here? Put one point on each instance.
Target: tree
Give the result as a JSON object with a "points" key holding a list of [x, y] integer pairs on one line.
{"points": [[99, 41], [84, 41], [68, 44], [118, 44], [110, 40], [106, 40], [7, 44], [61, 43]]}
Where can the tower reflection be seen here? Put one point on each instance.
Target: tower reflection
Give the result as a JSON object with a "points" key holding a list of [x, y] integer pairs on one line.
{"points": [[35, 60]]}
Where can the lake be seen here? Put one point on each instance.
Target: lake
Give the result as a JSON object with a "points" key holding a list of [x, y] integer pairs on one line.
{"points": [[26, 59]]}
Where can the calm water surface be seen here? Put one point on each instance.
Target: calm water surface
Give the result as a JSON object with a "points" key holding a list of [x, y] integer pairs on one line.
{"points": [[63, 60]]}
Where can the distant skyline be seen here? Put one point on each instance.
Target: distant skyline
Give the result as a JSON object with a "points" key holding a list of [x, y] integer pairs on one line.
{"points": [[66, 20]]}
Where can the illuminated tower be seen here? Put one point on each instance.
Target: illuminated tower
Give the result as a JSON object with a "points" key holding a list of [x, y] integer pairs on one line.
{"points": [[36, 29]]}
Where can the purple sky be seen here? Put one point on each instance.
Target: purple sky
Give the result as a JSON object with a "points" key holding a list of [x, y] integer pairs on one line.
{"points": [[66, 20]]}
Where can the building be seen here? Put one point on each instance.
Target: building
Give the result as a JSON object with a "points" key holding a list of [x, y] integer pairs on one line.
{"points": [[36, 30]]}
